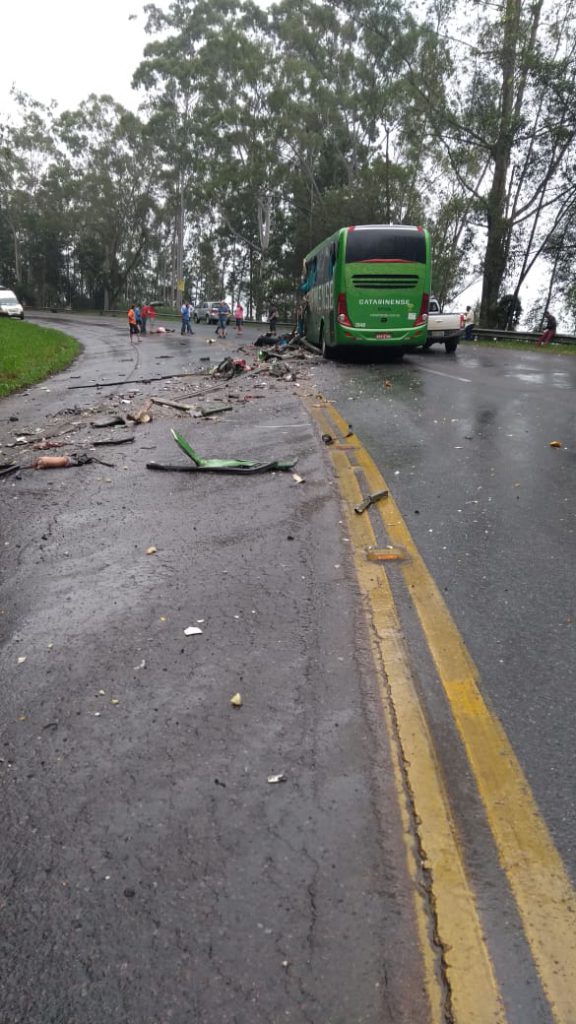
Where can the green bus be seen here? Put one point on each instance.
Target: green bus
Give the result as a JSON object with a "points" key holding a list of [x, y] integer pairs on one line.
{"points": [[368, 286]]}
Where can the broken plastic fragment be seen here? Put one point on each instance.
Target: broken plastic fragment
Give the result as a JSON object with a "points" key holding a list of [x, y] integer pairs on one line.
{"points": [[370, 500], [22, 659], [297, 478], [236, 701], [276, 778], [224, 465], [192, 631]]}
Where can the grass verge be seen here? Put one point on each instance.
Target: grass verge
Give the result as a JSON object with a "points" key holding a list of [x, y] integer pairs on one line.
{"points": [[29, 354]]}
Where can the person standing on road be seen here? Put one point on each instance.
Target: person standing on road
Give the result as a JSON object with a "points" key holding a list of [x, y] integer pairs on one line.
{"points": [[151, 317], [132, 323], [185, 314], [468, 323], [145, 312], [549, 324], [223, 310], [239, 316], [273, 319], [138, 315]]}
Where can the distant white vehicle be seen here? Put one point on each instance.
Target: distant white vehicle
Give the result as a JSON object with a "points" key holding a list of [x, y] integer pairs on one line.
{"points": [[9, 305]]}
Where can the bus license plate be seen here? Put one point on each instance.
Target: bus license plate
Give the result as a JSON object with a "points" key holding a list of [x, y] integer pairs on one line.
{"points": [[383, 337]]}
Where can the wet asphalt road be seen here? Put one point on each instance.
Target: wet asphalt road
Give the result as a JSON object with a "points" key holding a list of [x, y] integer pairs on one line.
{"points": [[463, 443], [148, 872]]}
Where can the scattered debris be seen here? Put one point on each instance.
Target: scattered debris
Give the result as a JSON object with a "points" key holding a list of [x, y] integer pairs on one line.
{"points": [[54, 462], [65, 461], [112, 421], [277, 368], [229, 368], [142, 415], [385, 555], [297, 478], [327, 438], [46, 444], [236, 701], [201, 464], [555, 444], [192, 631], [127, 439], [22, 659], [273, 779], [151, 550], [192, 409], [370, 500], [141, 665], [388, 383], [173, 405]]}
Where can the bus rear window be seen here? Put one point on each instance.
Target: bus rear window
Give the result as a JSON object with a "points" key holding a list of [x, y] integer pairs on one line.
{"points": [[390, 244]]}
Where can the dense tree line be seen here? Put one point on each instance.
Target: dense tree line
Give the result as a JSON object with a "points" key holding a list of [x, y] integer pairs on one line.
{"points": [[260, 131]]}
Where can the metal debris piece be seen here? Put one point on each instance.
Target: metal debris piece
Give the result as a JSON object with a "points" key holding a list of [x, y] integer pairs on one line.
{"points": [[114, 440], [112, 421], [370, 500]]}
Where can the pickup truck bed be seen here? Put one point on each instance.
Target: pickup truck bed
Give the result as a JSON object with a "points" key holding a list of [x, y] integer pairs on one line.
{"points": [[443, 327]]}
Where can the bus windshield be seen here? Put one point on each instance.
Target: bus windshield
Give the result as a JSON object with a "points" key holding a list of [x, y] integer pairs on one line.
{"points": [[364, 245]]}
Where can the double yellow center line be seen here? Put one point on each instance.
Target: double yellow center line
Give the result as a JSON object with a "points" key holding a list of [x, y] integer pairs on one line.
{"points": [[536, 876]]}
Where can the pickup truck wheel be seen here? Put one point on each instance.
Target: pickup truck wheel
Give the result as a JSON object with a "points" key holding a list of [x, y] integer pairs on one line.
{"points": [[451, 345]]}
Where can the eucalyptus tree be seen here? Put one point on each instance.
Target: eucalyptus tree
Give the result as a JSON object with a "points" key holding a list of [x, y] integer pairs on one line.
{"points": [[105, 156], [503, 114], [25, 152]]}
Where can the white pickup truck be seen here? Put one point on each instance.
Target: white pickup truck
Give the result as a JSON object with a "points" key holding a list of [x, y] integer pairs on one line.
{"points": [[444, 327]]}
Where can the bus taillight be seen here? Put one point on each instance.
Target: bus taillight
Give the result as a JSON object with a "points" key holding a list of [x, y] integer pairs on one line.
{"points": [[423, 314], [342, 315]]}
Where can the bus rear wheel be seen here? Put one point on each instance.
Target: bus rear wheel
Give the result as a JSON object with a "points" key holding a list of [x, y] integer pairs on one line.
{"points": [[327, 353]]}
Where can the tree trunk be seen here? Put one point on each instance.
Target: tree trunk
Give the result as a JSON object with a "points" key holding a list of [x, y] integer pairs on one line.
{"points": [[497, 245], [180, 251]]}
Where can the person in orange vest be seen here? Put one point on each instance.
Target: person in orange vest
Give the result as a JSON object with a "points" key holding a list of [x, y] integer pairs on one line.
{"points": [[132, 322]]}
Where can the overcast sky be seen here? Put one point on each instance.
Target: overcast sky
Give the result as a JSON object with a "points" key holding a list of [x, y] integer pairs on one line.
{"points": [[64, 50]]}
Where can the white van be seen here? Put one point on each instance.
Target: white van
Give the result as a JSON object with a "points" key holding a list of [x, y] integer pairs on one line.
{"points": [[9, 305]]}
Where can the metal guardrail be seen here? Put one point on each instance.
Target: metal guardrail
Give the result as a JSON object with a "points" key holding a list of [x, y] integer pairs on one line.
{"points": [[527, 336]]}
